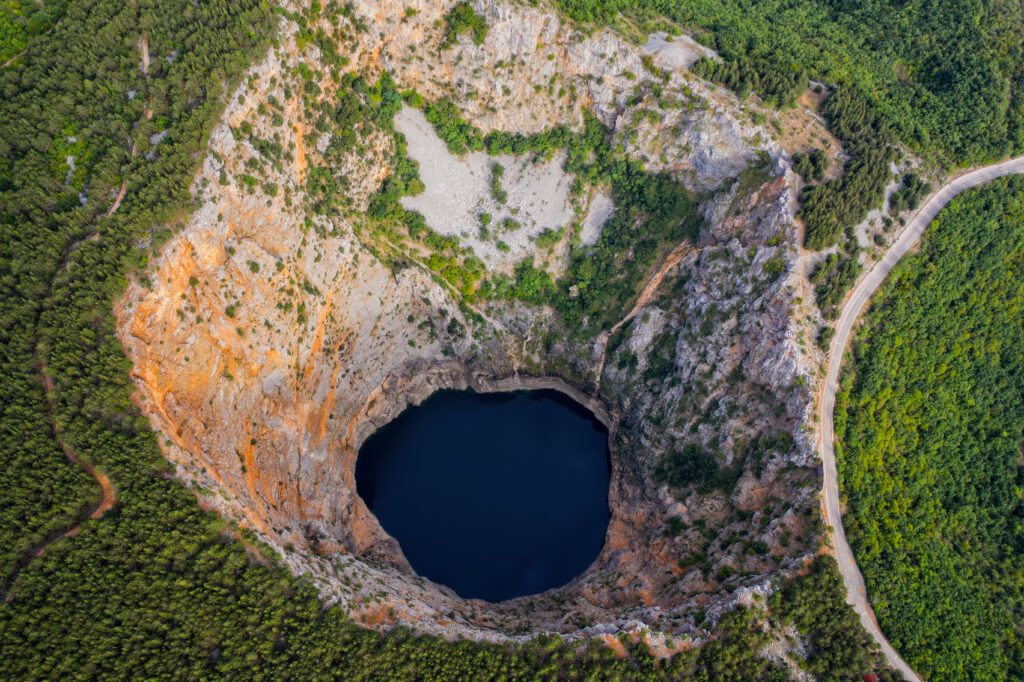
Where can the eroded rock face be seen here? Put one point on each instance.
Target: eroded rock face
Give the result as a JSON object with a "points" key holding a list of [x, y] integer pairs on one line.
{"points": [[269, 340]]}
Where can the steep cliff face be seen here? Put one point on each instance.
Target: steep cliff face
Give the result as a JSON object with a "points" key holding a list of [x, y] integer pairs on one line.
{"points": [[272, 335]]}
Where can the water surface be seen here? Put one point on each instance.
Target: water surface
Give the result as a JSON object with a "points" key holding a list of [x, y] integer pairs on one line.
{"points": [[495, 495]]}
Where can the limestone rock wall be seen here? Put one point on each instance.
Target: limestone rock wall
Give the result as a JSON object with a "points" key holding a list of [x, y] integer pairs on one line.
{"points": [[268, 341]]}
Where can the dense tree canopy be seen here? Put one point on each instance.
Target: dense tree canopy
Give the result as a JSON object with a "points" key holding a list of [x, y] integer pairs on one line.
{"points": [[22, 20], [931, 423]]}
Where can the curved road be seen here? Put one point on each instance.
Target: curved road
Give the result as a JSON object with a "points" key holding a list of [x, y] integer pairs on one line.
{"points": [[852, 309]]}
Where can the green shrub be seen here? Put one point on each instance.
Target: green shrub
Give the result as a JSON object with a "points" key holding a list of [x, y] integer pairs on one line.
{"points": [[811, 165], [460, 19]]}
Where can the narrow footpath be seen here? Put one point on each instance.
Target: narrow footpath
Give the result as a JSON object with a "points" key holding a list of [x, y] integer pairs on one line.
{"points": [[108, 495], [107, 498]]}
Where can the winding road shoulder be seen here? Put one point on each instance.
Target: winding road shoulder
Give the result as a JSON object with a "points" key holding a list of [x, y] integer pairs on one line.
{"points": [[852, 309]]}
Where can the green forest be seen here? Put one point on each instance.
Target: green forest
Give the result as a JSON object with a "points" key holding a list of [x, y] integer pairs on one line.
{"points": [[945, 78], [946, 75], [23, 20], [931, 423], [158, 588]]}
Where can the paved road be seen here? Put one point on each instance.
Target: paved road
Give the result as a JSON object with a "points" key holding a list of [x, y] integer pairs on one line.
{"points": [[854, 306]]}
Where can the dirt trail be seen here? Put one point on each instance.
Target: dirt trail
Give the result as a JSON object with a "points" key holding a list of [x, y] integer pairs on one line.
{"points": [[651, 288], [144, 52], [14, 57], [118, 199], [456, 295], [646, 296], [107, 498], [108, 495], [854, 306]]}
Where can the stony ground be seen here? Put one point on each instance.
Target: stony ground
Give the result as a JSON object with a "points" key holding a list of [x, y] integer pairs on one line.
{"points": [[459, 191], [268, 341]]}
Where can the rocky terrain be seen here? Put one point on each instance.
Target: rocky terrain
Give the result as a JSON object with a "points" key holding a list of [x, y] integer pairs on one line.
{"points": [[273, 335]]}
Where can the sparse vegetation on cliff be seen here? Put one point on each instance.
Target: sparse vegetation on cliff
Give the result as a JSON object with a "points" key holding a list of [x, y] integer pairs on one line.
{"points": [[942, 76], [653, 213], [462, 18]]}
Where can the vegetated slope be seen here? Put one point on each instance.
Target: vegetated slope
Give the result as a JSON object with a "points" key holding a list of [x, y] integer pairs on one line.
{"points": [[945, 79], [930, 424], [946, 75]]}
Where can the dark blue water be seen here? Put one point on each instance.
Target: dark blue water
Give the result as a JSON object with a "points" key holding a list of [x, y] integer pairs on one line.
{"points": [[495, 495]]}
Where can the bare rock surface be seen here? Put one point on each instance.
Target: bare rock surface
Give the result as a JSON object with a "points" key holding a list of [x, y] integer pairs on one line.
{"points": [[601, 208], [459, 191], [268, 339], [677, 52]]}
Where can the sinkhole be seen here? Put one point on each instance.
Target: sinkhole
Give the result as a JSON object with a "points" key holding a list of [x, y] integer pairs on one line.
{"points": [[495, 495]]}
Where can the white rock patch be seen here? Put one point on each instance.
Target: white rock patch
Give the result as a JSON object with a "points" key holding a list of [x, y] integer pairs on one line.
{"points": [[601, 209], [458, 191], [677, 52]]}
